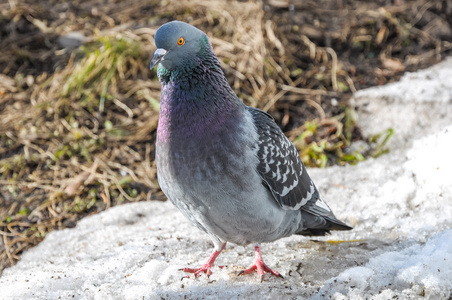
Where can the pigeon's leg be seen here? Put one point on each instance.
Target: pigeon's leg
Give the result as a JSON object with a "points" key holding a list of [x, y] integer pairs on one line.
{"points": [[259, 265], [209, 264]]}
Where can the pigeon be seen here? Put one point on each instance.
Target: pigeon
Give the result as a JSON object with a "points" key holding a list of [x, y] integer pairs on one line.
{"points": [[226, 166]]}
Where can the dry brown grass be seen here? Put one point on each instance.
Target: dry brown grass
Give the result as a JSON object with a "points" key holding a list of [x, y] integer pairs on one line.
{"points": [[77, 127]]}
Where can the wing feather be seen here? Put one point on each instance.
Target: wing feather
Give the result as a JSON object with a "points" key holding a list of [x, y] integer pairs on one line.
{"points": [[285, 175], [280, 166]]}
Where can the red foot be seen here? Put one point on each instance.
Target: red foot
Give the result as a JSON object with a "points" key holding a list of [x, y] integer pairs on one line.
{"points": [[207, 266], [260, 266]]}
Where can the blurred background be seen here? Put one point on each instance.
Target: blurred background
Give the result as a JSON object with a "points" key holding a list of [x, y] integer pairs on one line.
{"points": [[79, 105]]}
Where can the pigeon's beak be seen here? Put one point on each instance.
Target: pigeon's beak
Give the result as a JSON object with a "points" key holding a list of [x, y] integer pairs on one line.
{"points": [[159, 55]]}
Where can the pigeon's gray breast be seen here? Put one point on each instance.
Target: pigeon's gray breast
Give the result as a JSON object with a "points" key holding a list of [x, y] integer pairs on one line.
{"points": [[213, 180]]}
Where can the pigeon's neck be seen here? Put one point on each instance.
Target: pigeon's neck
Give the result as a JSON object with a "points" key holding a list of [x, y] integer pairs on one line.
{"points": [[196, 103]]}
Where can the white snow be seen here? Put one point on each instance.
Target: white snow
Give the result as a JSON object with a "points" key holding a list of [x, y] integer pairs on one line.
{"points": [[407, 272], [400, 205]]}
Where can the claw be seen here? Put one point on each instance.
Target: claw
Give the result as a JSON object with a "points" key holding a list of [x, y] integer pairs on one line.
{"points": [[260, 266], [207, 266]]}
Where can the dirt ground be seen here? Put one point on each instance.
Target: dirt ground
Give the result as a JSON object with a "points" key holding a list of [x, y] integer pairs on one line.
{"points": [[79, 105]]}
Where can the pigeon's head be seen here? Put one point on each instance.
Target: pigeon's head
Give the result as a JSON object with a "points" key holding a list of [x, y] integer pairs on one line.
{"points": [[178, 45]]}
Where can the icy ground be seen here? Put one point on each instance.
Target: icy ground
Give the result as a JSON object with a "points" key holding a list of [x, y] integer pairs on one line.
{"points": [[400, 205]]}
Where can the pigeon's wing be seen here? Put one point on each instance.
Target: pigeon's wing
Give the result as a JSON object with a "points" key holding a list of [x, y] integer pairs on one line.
{"points": [[280, 166], [284, 174]]}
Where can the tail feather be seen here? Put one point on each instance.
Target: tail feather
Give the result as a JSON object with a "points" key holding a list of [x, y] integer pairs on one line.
{"points": [[337, 224], [314, 232], [314, 225]]}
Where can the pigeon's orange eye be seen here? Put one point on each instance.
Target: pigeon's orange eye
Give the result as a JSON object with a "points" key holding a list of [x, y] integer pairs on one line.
{"points": [[181, 41]]}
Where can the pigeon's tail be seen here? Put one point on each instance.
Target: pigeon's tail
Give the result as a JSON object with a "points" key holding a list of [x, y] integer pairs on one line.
{"points": [[323, 231], [314, 225]]}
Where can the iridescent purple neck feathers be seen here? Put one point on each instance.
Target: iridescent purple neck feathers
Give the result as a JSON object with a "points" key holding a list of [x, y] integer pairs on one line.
{"points": [[196, 97]]}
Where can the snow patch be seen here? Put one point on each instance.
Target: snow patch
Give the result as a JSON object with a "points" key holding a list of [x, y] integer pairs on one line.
{"points": [[414, 271]]}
